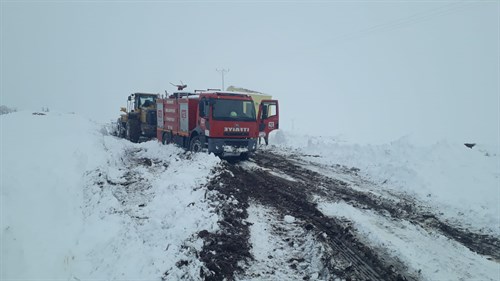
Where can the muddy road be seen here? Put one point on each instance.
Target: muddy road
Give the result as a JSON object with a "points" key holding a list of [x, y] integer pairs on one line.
{"points": [[289, 187], [273, 225]]}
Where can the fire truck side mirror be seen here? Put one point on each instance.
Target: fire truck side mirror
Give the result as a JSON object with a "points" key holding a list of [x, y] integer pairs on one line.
{"points": [[201, 109], [264, 112]]}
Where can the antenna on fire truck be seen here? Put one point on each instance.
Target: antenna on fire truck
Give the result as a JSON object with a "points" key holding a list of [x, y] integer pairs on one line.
{"points": [[180, 87]]}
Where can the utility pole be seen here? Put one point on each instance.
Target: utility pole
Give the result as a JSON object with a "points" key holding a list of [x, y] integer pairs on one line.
{"points": [[222, 71]]}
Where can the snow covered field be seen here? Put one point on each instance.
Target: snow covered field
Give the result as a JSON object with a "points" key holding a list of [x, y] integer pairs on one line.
{"points": [[80, 204], [70, 211], [459, 183]]}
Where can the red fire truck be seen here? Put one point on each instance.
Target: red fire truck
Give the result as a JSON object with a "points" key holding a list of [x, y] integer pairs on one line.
{"points": [[223, 123]]}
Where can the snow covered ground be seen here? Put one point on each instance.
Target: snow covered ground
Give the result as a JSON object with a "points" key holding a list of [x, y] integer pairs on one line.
{"points": [[79, 204], [276, 258], [457, 183], [430, 256]]}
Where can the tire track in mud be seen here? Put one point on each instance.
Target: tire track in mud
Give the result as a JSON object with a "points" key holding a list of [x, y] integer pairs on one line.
{"points": [[282, 248], [223, 251], [403, 208], [344, 255], [226, 252]]}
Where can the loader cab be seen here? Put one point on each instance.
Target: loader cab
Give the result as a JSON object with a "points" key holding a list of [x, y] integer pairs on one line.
{"points": [[143, 100]]}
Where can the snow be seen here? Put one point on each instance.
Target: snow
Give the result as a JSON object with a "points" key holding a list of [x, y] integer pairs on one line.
{"points": [[249, 165], [154, 237], [289, 219], [277, 246], [79, 204], [431, 255], [457, 183], [67, 212], [41, 191]]}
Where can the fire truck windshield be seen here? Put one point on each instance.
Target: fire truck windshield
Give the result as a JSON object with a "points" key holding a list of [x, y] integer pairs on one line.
{"points": [[233, 110]]}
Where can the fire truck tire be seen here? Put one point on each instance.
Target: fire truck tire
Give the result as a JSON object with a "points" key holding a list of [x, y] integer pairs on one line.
{"points": [[133, 131], [166, 138], [195, 145], [244, 156]]}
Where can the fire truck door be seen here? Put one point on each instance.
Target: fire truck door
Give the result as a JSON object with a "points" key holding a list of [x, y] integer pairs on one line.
{"points": [[268, 116], [184, 117], [159, 113]]}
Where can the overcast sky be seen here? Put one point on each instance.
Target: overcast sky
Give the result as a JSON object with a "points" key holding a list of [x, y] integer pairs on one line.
{"points": [[368, 71]]}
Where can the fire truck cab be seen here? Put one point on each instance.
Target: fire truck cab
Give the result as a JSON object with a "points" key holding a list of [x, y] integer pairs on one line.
{"points": [[223, 123]]}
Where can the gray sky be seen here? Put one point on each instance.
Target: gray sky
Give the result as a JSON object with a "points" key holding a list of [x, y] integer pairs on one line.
{"points": [[369, 71]]}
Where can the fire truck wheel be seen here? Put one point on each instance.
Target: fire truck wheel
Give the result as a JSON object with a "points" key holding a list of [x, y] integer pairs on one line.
{"points": [[167, 138], [244, 156], [195, 144], [133, 130]]}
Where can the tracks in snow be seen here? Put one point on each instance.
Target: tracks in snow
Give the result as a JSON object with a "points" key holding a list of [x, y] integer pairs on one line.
{"points": [[401, 208], [343, 255], [284, 186], [270, 225]]}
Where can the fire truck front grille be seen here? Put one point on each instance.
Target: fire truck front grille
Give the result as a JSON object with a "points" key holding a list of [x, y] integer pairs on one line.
{"points": [[235, 133], [237, 143]]}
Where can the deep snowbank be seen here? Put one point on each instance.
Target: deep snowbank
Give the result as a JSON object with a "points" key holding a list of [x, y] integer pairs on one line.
{"points": [[458, 183], [75, 204], [43, 160], [146, 207]]}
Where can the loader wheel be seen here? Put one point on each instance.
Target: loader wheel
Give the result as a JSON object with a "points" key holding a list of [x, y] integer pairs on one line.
{"points": [[123, 130], [195, 145], [116, 131], [133, 130], [120, 129]]}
